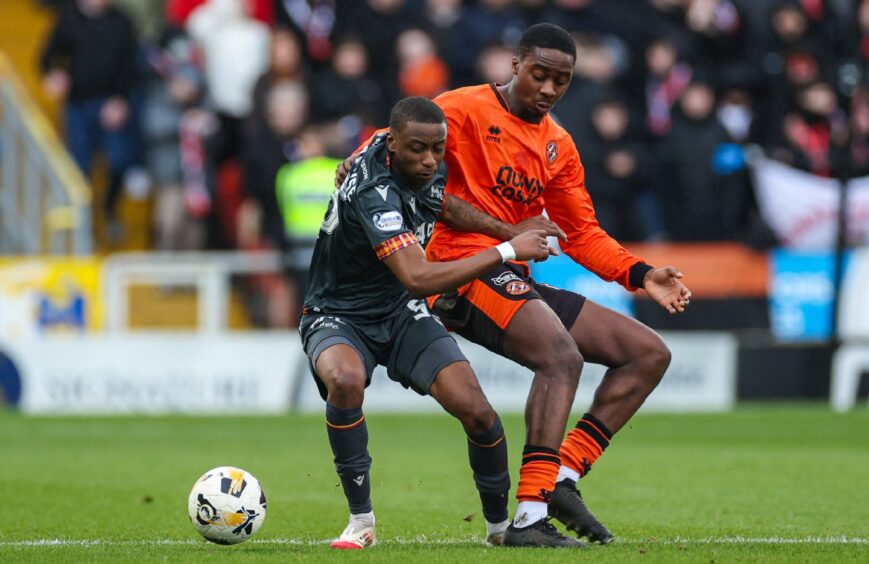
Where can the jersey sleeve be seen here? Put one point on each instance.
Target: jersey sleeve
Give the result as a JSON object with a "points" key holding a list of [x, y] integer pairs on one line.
{"points": [[378, 210], [455, 109], [569, 205]]}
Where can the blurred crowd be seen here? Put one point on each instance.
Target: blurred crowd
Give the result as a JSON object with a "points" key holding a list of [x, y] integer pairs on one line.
{"points": [[232, 113]]}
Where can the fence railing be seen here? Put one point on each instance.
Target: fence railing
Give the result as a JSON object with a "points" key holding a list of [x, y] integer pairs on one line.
{"points": [[209, 274], [45, 202]]}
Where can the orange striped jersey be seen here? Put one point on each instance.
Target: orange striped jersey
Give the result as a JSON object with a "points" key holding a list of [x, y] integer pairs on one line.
{"points": [[512, 170]]}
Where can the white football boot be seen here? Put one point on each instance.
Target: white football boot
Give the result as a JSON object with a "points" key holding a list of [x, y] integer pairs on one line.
{"points": [[359, 533]]}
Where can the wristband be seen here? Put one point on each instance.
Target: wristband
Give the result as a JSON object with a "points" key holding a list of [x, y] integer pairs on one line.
{"points": [[506, 251]]}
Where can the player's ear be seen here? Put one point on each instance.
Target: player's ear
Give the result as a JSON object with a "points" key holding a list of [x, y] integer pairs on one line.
{"points": [[390, 141], [515, 66]]}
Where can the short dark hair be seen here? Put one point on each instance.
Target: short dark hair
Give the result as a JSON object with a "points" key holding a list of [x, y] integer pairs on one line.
{"points": [[416, 109], [547, 36]]}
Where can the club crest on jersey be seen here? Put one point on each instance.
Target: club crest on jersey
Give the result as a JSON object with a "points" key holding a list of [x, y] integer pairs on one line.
{"points": [[387, 221], [551, 151], [516, 287]]}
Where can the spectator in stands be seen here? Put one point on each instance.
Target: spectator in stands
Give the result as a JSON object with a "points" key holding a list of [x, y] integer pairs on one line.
{"points": [[378, 23], [442, 17], [175, 84], [314, 20], [286, 62], [268, 146], [89, 61], [493, 64], [615, 170], [720, 38], [346, 88], [704, 196], [666, 78], [236, 50], [485, 23], [421, 72], [599, 60], [814, 136]]}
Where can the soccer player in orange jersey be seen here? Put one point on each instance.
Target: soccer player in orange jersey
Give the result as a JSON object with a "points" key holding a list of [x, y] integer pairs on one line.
{"points": [[507, 157]]}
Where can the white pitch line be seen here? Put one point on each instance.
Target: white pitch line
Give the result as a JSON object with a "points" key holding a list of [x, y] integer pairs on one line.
{"points": [[423, 540]]}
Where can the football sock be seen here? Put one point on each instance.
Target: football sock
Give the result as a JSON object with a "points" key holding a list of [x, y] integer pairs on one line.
{"points": [[529, 512], [348, 436], [487, 453], [362, 520], [583, 446], [565, 473], [537, 474], [495, 528]]}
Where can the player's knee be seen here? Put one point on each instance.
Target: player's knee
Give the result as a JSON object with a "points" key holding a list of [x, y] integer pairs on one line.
{"points": [[346, 387], [478, 419], [658, 359], [565, 361]]}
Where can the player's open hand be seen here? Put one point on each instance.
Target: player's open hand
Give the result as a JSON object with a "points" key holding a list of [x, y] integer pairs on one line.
{"points": [[532, 245], [540, 222], [666, 288]]}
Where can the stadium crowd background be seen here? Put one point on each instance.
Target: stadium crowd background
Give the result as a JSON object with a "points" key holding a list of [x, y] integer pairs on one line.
{"points": [[221, 108]]}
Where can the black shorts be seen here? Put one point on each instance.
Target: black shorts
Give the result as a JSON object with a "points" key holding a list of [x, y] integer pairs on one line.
{"points": [[482, 310], [412, 344]]}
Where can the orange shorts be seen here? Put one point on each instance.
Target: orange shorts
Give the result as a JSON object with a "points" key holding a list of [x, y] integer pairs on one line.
{"points": [[482, 310]]}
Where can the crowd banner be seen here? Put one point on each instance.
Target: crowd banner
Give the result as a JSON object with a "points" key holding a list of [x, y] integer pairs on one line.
{"points": [[701, 377], [803, 209], [42, 295], [156, 373]]}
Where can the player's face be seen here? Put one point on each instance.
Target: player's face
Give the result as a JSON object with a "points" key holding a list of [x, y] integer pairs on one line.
{"points": [[542, 78], [418, 150]]}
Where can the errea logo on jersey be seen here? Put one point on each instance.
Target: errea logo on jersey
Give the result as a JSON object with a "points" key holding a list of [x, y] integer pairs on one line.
{"points": [[387, 221], [494, 135]]}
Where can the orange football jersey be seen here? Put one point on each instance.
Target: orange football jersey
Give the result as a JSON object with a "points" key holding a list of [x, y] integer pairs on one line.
{"points": [[512, 170]]}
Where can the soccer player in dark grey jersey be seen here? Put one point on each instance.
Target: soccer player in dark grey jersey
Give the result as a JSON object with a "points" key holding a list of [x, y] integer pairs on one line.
{"points": [[363, 305]]}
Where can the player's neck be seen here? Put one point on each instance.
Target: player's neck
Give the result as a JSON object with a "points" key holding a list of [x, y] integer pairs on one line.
{"points": [[509, 94], [400, 177]]}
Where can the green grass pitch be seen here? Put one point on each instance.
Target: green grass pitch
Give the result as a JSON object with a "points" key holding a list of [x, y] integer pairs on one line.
{"points": [[763, 484]]}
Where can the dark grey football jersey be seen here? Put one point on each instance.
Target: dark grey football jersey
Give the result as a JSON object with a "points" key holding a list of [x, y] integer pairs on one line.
{"points": [[371, 215]]}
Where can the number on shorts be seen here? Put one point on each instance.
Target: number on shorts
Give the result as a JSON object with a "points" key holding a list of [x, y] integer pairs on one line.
{"points": [[419, 309]]}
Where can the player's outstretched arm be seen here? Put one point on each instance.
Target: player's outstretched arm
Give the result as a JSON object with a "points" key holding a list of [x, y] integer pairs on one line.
{"points": [[462, 216], [666, 288], [423, 278]]}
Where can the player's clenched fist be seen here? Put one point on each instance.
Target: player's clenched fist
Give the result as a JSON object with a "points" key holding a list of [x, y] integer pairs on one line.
{"points": [[532, 245]]}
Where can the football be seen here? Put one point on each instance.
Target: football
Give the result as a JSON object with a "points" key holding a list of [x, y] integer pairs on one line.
{"points": [[227, 505]]}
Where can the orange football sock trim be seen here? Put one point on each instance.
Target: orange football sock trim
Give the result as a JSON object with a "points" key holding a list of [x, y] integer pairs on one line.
{"points": [[349, 427], [538, 473], [584, 444]]}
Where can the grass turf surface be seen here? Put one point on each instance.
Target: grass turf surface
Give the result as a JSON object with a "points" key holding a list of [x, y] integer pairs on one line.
{"points": [[761, 484]]}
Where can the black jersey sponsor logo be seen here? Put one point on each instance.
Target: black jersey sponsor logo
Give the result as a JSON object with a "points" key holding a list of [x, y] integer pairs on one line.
{"points": [[516, 186]]}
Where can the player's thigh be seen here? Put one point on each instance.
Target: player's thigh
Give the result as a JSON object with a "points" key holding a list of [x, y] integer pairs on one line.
{"points": [[607, 337], [420, 348], [536, 337], [338, 353], [458, 391]]}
